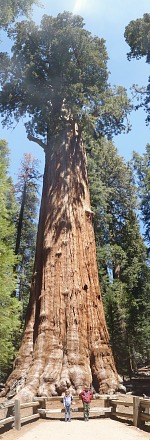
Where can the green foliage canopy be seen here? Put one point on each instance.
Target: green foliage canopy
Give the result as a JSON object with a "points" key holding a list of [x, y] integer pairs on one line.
{"points": [[142, 167], [27, 196], [9, 307], [58, 73], [137, 35], [11, 9], [122, 259]]}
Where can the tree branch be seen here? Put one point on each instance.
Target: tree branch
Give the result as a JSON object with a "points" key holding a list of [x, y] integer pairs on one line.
{"points": [[33, 139]]}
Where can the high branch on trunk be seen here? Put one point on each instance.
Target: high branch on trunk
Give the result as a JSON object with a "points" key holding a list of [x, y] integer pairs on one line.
{"points": [[65, 342]]}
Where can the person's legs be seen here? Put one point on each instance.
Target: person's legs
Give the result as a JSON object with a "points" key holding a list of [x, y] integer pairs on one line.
{"points": [[65, 414], [88, 410], [69, 416], [85, 410]]}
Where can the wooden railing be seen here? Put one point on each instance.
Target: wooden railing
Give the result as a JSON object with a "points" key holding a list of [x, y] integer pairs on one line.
{"points": [[8, 409], [96, 410], [14, 417], [137, 410]]}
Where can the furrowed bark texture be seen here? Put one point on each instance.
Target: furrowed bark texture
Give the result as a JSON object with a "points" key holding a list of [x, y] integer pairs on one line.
{"points": [[65, 343]]}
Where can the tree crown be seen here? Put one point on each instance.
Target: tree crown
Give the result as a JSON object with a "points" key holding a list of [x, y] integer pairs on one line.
{"points": [[137, 35], [11, 9], [57, 75]]}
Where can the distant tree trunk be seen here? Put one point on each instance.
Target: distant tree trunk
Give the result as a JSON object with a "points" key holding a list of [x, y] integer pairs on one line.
{"points": [[20, 221], [19, 231], [65, 342]]}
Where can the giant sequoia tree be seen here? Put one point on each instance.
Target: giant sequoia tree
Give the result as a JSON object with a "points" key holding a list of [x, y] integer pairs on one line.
{"points": [[58, 75]]}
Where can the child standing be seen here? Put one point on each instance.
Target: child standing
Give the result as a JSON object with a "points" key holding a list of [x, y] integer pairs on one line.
{"points": [[67, 400], [86, 396]]}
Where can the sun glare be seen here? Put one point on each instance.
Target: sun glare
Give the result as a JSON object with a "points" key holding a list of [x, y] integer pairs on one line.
{"points": [[79, 5]]}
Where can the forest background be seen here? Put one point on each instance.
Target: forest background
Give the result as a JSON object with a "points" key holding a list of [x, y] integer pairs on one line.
{"points": [[119, 198]]}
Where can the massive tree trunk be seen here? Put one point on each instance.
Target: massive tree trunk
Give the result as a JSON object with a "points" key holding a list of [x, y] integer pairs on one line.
{"points": [[65, 342]]}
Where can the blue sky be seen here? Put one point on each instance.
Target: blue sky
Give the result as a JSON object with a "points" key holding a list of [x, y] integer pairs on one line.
{"points": [[106, 19]]}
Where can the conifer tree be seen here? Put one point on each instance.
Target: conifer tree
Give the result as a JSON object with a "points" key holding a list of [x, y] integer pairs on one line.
{"points": [[11, 9], [57, 74], [27, 196], [123, 268], [137, 36], [141, 166], [9, 307]]}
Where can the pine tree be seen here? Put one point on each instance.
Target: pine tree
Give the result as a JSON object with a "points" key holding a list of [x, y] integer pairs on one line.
{"points": [[141, 166], [27, 191], [122, 259], [9, 307]]}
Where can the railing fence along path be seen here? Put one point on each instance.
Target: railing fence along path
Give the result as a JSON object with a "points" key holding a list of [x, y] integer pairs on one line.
{"points": [[137, 410]]}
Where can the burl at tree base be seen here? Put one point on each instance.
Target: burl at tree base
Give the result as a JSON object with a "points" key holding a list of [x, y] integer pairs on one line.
{"points": [[65, 343]]}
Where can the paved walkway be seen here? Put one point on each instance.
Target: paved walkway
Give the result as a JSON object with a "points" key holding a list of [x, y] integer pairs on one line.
{"points": [[100, 429]]}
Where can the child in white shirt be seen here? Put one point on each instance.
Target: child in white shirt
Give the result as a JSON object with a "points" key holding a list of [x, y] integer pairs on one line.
{"points": [[67, 400]]}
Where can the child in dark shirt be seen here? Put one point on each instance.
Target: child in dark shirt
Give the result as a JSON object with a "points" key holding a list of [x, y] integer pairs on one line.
{"points": [[86, 396]]}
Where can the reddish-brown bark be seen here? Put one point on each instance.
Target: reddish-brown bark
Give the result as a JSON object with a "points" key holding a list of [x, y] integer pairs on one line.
{"points": [[65, 343]]}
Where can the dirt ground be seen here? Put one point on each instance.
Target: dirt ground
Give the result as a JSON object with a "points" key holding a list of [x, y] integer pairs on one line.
{"points": [[102, 428]]}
